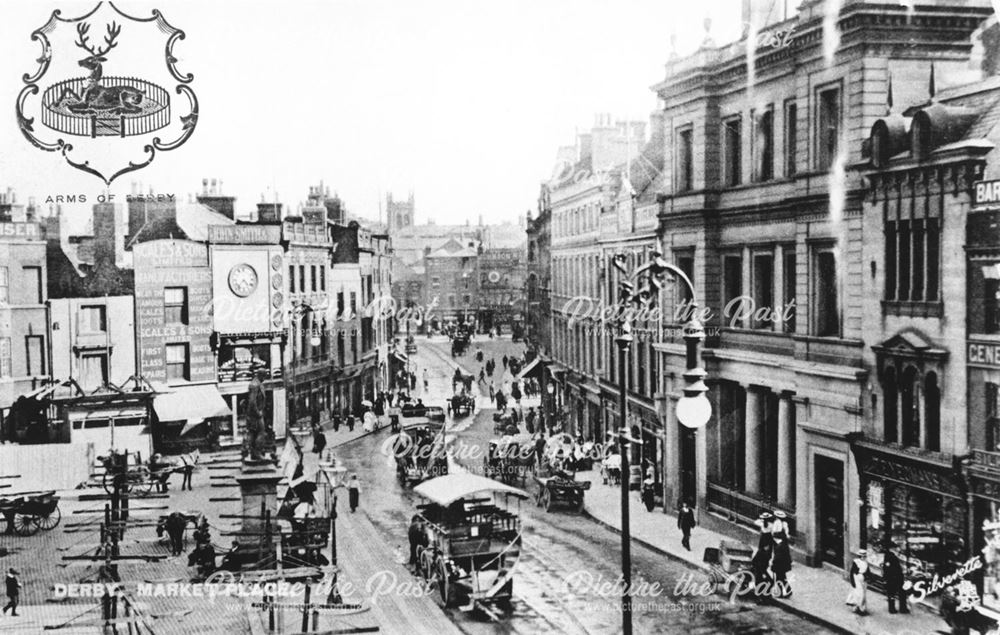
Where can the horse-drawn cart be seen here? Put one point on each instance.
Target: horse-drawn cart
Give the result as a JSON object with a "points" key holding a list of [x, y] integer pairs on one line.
{"points": [[25, 515], [560, 490], [462, 405]]}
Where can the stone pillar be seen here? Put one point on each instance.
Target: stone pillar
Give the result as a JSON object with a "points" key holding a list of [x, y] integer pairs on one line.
{"points": [[786, 450], [751, 455]]}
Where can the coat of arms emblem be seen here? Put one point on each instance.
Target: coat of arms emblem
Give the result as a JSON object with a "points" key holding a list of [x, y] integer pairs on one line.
{"points": [[107, 94]]}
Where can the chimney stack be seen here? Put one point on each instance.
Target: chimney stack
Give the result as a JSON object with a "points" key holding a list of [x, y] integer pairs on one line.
{"points": [[213, 198]]}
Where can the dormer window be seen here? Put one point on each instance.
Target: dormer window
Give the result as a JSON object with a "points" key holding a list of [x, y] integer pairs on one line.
{"points": [[920, 137], [889, 137]]}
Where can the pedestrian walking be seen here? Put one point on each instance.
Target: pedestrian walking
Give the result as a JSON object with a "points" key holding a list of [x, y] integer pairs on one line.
{"points": [[482, 376], [13, 591], [415, 534], [504, 360], [539, 449], [319, 440], [353, 491], [529, 421], [350, 422], [858, 597], [492, 392], [781, 564], [515, 392], [427, 383], [892, 573], [649, 494], [765, 538], [685, 522], [779, 526], [187, 471]]}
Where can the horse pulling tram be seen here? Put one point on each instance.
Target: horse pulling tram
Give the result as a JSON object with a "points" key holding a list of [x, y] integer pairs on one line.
{"points": [[420, 451], [472, 543]]}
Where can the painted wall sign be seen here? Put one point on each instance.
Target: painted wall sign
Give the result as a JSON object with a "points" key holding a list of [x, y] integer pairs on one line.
{"points": [[163, 264], [244, 234], [126, 104], [983, 354], [20, 230], [986, 193]]}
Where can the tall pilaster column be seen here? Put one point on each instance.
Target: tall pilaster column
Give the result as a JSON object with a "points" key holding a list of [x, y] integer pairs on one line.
{"points": [[751, 455], [786, 450]]}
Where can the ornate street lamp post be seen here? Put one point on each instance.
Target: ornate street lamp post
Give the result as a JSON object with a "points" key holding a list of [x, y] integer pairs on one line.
{"points": [[693, 410]]}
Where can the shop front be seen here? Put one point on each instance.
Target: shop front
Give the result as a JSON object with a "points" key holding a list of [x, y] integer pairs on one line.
{"points": [[914, 503], [982, 471]]}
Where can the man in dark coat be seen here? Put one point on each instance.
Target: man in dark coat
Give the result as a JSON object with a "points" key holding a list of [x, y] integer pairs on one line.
{"points": [[13, 592], [892, 573], [319, 440], [685, 522]]}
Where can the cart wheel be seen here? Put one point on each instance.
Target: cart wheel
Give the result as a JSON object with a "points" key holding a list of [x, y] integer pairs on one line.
{"points": [[25, 524], [449, 593], [51, 520], [579, 506]]}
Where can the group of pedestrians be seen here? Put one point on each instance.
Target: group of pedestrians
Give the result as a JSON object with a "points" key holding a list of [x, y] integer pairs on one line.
{"points": [[772, 560]]}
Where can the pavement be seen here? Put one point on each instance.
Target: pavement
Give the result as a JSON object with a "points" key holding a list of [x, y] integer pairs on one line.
{"points": [[818, 593]]}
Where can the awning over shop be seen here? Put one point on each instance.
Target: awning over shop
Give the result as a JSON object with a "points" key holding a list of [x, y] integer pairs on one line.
{"points": [[534, 369], [191, 404], [400, 356]]}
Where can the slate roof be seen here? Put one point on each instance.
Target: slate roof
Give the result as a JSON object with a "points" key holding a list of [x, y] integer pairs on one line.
{"points": [[190, 222]]}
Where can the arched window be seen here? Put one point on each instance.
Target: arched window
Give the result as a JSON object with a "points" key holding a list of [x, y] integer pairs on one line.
{"points": [[909, 404], [932, 411], [890, 407]]}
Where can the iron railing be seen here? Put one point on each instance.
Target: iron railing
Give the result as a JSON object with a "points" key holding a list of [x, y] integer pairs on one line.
{"points": [[744, 508]]}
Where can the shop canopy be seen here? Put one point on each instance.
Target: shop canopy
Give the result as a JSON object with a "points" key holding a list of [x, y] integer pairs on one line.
{"points": [[534, 369], [400, 356], [445, 490], [191, 404]]}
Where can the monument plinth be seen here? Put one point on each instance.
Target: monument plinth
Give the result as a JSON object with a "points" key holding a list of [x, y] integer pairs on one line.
{"points": [[259, 489]]}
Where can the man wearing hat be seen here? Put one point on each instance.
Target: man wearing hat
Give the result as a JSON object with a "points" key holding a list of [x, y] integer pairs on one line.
{"points": [[13, 591]]}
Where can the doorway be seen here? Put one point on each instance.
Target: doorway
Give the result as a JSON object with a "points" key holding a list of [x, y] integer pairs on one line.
{"points": [[830, 509]]}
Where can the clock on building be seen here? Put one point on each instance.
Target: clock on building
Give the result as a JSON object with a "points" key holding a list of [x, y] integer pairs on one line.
{"points": [[242, 280], [494, 277]]}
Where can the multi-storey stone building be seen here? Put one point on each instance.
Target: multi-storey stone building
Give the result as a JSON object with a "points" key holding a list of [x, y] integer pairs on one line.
{"points": [[585, 183], [538, 327], [24, 342], [764, 201]]}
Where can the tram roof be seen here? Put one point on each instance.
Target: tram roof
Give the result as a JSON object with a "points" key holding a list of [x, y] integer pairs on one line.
{"points": [[445, 490]]}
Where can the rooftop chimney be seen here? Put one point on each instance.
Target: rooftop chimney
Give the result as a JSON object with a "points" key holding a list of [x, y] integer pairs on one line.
{"points": [[213, 198]]}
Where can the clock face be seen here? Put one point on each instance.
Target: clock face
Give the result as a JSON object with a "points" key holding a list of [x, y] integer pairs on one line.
{"points": [[242, 280], [494, 277]]}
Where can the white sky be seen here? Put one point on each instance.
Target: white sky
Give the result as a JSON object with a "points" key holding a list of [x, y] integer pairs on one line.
{"points": [[463, 101]]}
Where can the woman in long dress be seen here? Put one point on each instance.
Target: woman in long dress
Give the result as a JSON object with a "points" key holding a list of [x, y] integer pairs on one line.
{"points": [[858, 597]]}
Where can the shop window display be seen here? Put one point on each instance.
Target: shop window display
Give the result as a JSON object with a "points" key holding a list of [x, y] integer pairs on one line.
{"points": [[924, 529]]}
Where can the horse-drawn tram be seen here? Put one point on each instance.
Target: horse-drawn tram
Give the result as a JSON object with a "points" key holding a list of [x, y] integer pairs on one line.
{"points": [[420, 451], [472, 543]]}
